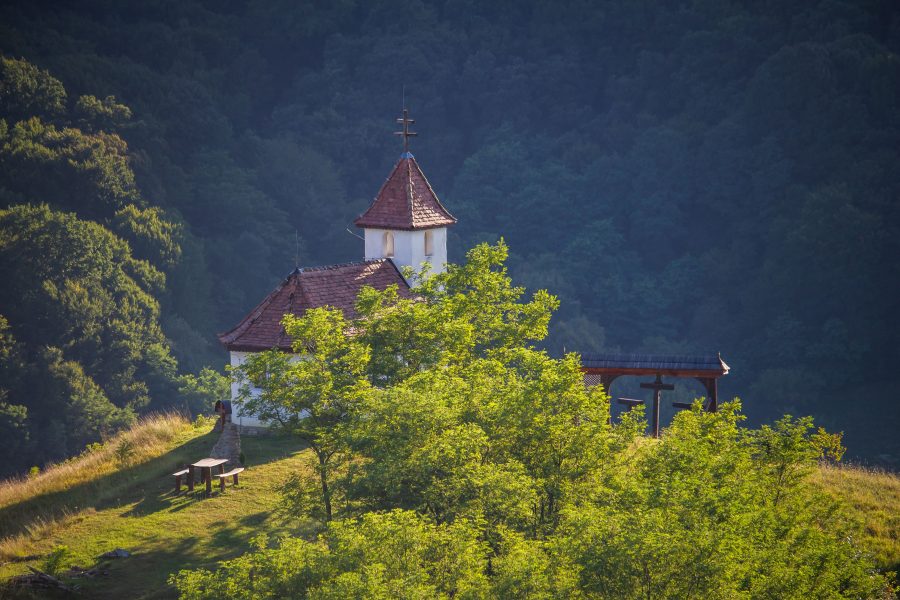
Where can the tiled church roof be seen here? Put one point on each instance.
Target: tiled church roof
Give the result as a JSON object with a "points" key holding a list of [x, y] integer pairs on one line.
{"points": [[334, 285], [406, 201]]}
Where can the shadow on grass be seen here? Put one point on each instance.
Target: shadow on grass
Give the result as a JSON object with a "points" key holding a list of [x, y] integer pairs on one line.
{"points": [[149, 484], [260, 450], [139, 482], [145, 574]]}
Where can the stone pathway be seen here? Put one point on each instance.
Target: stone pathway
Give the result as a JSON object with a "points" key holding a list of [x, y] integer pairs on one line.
{"points": [[229, 445]]}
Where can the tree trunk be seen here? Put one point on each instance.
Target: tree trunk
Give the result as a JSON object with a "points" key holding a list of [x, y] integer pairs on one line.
{"points": [[323, 477]]}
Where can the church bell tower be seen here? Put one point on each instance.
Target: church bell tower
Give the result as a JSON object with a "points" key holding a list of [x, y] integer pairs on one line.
{"points": [[406, 222]]}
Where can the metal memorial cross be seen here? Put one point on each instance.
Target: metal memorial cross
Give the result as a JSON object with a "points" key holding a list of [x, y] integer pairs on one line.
{"points": [[406, 133], [657, 386]]}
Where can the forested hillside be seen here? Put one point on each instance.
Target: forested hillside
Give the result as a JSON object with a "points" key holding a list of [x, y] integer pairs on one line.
{"points": [[684, 176]]}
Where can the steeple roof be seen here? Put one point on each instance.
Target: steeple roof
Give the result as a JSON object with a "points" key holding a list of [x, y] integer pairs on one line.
{"points": [[334, 285], [406, 201]]}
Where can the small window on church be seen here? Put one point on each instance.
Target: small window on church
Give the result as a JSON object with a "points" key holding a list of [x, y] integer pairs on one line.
{"points": [[429, 243], [387, 244]]}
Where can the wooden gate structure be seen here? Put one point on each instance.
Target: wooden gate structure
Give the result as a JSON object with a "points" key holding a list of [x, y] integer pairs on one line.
{"points": [[603, 369]]}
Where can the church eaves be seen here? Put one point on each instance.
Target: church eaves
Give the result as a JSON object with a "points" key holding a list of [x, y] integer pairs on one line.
{"points": [[406, 201], [335, 285]]}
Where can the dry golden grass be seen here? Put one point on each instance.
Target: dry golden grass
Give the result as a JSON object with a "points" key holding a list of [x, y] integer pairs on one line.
{"points": [[146, 439], [873, 497], [34, 507], [135, 509]]}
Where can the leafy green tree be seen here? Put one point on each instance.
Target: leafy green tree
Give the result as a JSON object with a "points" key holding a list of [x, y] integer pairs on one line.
{"points": [[85, 321], [469, 311], [712, 510], [15, 436], [86, 412], [309, 395], [153, 238], [26, 90], [382, 555], [43, 162], [448, 419], [200, 392], [94, 114]]}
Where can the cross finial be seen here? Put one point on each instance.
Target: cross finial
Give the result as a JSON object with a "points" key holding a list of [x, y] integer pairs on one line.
{"points": [[406, 133]]}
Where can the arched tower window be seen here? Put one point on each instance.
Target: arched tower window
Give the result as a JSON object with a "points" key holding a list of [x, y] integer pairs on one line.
{"points": [[429, 243], [387, 244]]}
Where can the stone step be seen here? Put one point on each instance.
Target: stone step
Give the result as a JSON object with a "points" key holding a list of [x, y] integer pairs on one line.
{"points": [[228, 445]]}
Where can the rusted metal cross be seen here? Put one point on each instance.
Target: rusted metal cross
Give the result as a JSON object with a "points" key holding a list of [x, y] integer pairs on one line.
{"points": [[657, 386], [406, 133]]}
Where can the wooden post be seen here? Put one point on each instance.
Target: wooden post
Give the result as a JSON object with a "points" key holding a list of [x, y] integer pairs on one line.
{"points": [[712, 390], [657, 386]]}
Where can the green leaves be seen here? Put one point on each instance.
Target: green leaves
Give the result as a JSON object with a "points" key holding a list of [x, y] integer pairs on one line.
{"points": [[470, 464], [86, 326], [26, 90], [712, 510], [382, 555]]}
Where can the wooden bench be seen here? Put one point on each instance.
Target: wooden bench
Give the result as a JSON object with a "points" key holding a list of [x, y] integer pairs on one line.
{"points": [[178, 477], [232, 473]]}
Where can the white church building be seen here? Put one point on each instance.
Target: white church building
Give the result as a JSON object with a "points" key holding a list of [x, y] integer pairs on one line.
{"points": [[406, 225]]}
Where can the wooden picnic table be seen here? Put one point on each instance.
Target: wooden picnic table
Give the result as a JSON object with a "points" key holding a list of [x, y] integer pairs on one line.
{"points": [[206, 466]]}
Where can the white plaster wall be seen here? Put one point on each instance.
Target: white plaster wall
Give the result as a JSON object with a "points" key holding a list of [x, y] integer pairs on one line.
{"points": [[237, 359], [409, 247]]}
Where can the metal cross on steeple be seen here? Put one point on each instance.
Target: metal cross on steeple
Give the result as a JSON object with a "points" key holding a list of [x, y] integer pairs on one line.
{"points": [[406, 133]]}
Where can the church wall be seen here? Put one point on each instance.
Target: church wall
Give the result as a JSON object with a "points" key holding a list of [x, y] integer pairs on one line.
{"points": [[236, 360], [247, 423], [409, 247]]}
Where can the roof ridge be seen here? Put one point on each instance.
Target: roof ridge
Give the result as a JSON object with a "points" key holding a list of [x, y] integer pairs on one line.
{"points": [[238, 330], [330, 285], [335, 266], [298, 290], [431, 189], [410, 192], [381, 189]]}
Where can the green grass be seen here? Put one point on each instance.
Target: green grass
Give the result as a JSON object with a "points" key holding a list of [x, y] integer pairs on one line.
{"points": [[873, 497], [94, 503], [139, 512]]}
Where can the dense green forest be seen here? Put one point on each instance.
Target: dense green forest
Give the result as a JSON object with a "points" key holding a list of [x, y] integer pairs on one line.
{"points": [[684, 176]]}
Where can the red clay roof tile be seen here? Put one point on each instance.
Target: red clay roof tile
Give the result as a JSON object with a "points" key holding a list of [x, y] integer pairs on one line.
{"points": [[334, 285], [406, 201]]}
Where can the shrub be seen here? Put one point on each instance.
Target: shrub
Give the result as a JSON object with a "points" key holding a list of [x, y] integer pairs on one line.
{"points": [[53, 564]]}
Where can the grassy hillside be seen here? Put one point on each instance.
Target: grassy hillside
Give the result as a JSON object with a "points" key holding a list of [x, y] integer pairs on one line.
{"points": [[109, 498], [873, 497], [92, 506]]}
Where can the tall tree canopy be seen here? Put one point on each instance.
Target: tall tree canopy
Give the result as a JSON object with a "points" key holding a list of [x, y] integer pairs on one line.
{"points": [[84, 327], [84, 257]]}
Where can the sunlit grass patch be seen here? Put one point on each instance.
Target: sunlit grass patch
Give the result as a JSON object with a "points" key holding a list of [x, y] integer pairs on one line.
{"points": [[146, 439], [873, 497], [164, 532]]}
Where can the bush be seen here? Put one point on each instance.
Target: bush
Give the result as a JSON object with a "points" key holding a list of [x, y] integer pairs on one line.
{"points": [[125, 452], [53, 564]]}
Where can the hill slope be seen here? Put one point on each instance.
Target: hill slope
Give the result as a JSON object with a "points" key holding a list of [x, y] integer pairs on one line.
{"points": [[872, 497], [93, 504], [91, 507]]}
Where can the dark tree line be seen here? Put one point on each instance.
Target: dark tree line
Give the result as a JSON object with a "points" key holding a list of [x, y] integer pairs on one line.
{"points": [[684, 176]]}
